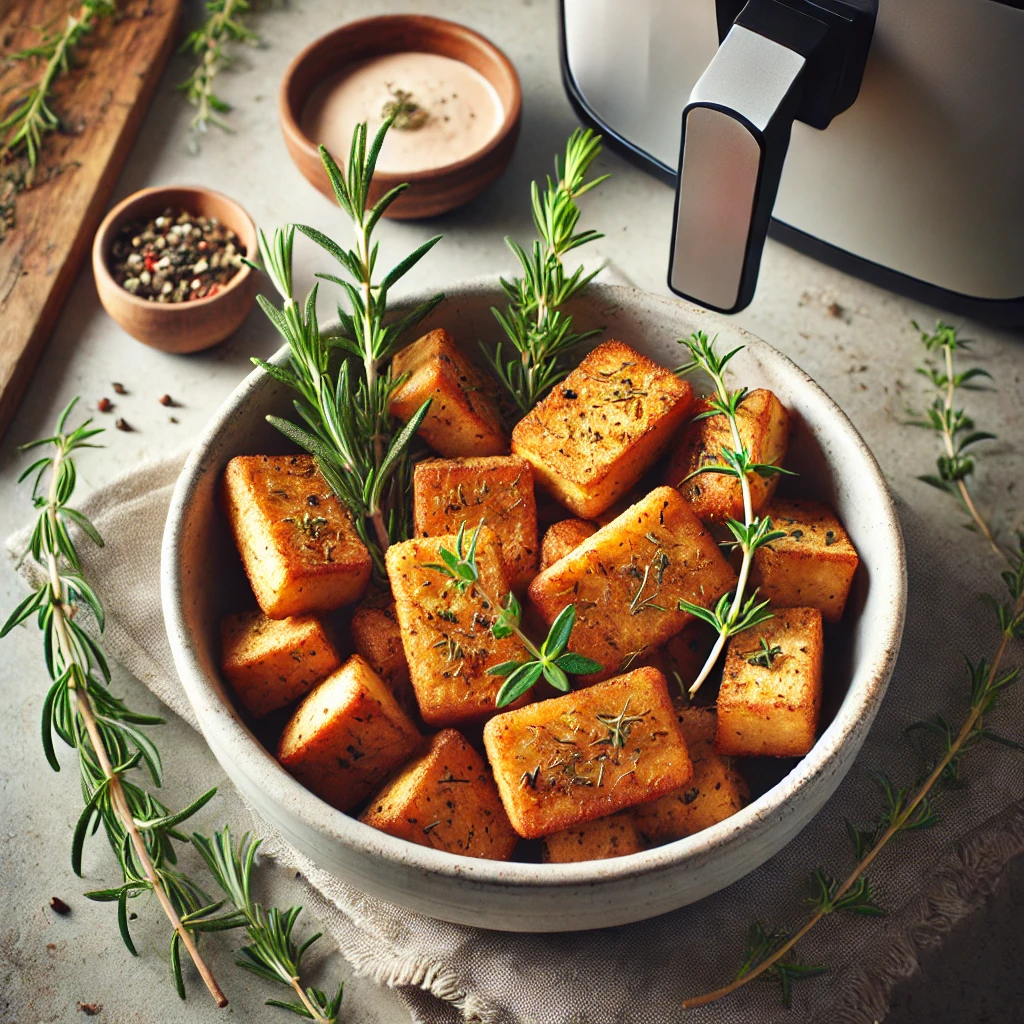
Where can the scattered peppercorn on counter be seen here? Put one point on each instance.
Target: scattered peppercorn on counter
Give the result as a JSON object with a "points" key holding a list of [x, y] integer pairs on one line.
{"points": [[396, 717]]}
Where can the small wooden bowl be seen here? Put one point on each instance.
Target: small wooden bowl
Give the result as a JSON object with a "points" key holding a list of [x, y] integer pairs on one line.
{"points": [[433, 191], [182, 326]]}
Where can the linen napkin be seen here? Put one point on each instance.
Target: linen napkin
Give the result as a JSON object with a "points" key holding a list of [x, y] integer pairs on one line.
{"points": [[640, 973]]}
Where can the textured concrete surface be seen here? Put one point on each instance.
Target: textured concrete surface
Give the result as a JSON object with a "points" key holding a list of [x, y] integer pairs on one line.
{"points": [[854, 339]]}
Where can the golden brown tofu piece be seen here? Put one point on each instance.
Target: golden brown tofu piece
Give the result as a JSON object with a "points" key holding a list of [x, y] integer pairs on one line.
{"points": [[563, 537], [298, 545], [764, 430], [769, 700], [593, 437], [446, 634], [688, 650], [627, 579], [445, 798], [271, 662], [562, 762], [715, 792], [614, 836], [346, 736], [812, 566], [377, 637], [496, 490], [463, 418]]}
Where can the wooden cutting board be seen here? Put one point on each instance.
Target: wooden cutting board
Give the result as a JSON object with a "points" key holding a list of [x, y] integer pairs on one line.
{"points": [[101, 103]]}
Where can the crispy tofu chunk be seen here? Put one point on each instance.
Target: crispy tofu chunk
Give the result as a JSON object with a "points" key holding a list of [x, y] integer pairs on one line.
{"points": [[812, 566], [445, 798], [446, 635], [626, 580], [298, 545], [689, 649], [562, 537], [271, 662], [346, 736], [614, 836], [560, 763], [771, 710], [377, 637], [715, 792], [463, 417], [593, 437], [496, 490], [764, 430]]}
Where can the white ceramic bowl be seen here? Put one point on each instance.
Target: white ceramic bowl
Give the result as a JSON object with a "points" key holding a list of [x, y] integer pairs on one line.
{"points": [[200, 578]]}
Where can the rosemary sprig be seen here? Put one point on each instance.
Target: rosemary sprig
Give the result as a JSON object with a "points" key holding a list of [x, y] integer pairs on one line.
{"points": [[273, 953], [224, 24], [550, 660], [108, 736], [909, 808], [735, 612], [347, 424], [955, 428], [32, 117], [538, 330]]}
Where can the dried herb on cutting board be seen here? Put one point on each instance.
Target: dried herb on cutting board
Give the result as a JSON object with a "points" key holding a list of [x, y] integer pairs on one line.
{"points": [[31, 117], [175, 257]]}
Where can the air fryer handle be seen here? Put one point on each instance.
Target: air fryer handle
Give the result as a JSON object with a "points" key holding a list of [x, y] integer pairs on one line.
{"points": [[781, 60], [736, 131]]}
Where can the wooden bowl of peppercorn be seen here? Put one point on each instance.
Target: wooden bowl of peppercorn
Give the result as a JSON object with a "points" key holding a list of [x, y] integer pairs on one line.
{"points": [[168, 267]]}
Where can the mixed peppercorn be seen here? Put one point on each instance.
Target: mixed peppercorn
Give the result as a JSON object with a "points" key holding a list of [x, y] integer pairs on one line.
{"points": [[176, 257]]}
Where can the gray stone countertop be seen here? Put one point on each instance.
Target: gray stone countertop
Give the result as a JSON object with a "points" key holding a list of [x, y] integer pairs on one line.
{"points": [[856, 340]]}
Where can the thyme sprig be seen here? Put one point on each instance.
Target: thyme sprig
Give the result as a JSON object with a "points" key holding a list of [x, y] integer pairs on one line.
{"points": [[224, 25], [953, 426], [550, 660], [735, 612], [344, 407], [106, 733], [273, 953], [907, 808], [533, 322], [32, 117]]}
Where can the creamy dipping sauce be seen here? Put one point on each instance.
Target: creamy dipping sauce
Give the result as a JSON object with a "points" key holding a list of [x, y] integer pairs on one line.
{"points": [[448, 110]]}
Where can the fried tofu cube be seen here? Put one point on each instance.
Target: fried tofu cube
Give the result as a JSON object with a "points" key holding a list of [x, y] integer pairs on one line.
{"points": [[496, 490], [593, 437], [812, 566], [346, 736], [445, 798], [688, 650], [463, 418], [614, 836], [764, 430], [446, 634], [377, 637], [271, 662], [627, 579], [562, 537], [770, 696], [715, 792], [298, 545], [562, 762]]}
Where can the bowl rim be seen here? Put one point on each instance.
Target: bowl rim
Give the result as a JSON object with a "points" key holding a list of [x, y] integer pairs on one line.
{"points": [[228, 735], [290, 120], [102, 241]]}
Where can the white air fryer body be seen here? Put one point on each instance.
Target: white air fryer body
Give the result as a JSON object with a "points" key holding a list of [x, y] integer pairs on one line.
{"points": [[920, 181]]}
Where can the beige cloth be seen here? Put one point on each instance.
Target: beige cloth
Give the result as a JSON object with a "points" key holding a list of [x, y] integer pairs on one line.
{"points": [[640, 973]]}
